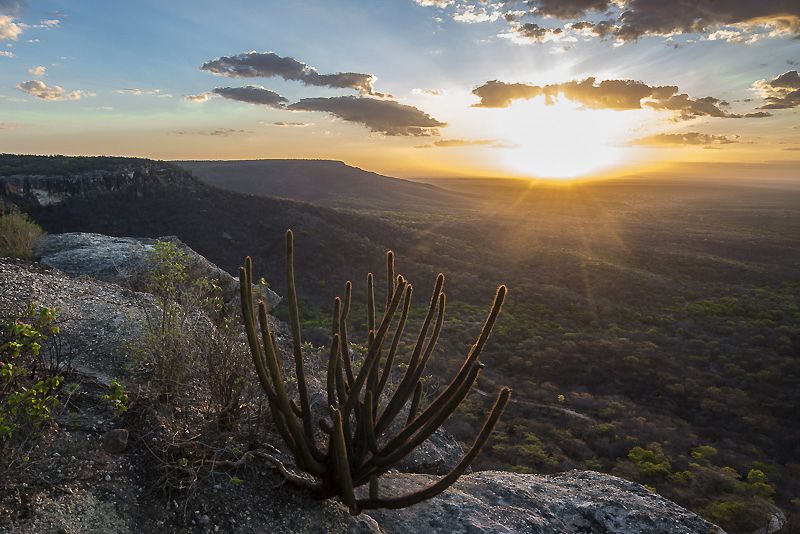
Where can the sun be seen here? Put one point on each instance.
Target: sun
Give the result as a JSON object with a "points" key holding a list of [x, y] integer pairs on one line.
{"points": [[563, 140]]}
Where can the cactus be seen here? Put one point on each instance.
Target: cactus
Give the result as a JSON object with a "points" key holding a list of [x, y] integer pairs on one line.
{"points": [[356, 446]]}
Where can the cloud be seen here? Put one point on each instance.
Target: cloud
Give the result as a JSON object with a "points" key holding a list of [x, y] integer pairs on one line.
{"points": [[781, 92], [427, 92], [740, 21], [655, 17], [269, 64], [6, 53], [8, 28], [8, 126], [684, 139], [292, 124], [383, 116], [252, 94], [531, 32], [135, 91], [569, 9], [37, 71], [472, 14], [41, 90], [219, 132], [200, 98], [434, 3], [451, 143], [609, 94]]}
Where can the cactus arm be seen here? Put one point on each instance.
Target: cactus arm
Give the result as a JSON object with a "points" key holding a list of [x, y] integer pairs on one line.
{"points": [[348, 367], [390, 281], [294, 323], [369, 424], [398, 334], [333, 363], [427, 423], [472, 356], [449, 479], [374, 489], [302, 447], [371, 356], [370, 303], [437, 330], [406, 387], [342, 464], [412, 411]]}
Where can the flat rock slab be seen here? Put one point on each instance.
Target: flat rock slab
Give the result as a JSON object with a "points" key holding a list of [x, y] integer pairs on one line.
{"points": [[98, 320], [125, 261], [503, 502]]}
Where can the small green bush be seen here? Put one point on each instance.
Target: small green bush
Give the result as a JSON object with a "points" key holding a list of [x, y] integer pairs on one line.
{"points": [[28, 393], [116, 397], [18, 235]]}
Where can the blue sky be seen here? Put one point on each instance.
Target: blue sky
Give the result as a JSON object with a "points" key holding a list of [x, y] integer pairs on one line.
{"points": [[124, 70]]}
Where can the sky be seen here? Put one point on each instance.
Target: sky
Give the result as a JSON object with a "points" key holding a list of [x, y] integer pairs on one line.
{"points": [[425, 88]]}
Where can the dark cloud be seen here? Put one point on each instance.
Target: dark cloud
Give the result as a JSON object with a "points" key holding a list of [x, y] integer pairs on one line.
{"points": [[497, 94], [383, 116], [568, 9], [782, 92], [452, 143], [656, 17], [608, 94], [269, 64], [252, 94], [629, 20], [534, 32], [291, 124], [684, 139]]}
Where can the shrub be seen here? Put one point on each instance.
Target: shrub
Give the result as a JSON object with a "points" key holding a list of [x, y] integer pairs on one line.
{"points": [[360, 440], [18, 235], [27, 389], [191, 336], [116, 397]]}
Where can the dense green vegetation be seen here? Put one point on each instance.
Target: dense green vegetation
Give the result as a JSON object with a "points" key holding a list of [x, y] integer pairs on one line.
{"points": [[651, 330]]}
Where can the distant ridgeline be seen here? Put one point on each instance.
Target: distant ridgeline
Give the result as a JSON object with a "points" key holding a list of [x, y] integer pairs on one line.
{"points": [[39, 181]]}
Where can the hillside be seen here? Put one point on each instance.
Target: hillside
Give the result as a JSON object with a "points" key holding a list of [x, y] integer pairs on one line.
{"points": [[651, 331], [322, 182]]}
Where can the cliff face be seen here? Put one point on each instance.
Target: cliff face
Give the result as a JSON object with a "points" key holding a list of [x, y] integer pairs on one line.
{"points": [[140, 178]]}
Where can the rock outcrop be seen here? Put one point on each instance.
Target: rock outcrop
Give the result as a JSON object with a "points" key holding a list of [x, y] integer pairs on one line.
{"points": [[139, 178], [503, 502], [124, 261]]}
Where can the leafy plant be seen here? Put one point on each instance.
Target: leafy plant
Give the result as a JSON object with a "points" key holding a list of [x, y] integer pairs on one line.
{"points": [[116, 397], [18, 234], [361, 441], [192, 336], [27, 391]]}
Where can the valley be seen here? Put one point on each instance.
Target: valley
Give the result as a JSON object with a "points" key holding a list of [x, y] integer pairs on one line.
{"points": [[651, 329]]}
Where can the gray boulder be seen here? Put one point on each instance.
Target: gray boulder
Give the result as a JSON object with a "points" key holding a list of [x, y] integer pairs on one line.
{"points": [[502, 502], [124, 261], [437, 455]]}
